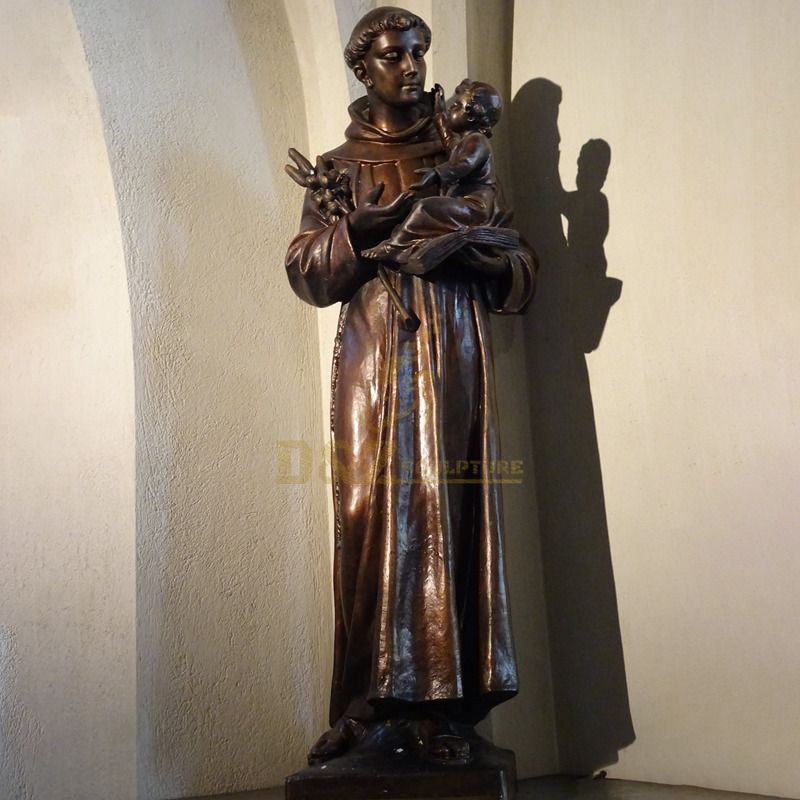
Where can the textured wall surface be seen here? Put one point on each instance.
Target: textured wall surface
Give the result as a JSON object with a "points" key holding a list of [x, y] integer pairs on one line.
{"points": [[317, 29], [206, 667], [199, 104], [67, 594], [695, 386]]}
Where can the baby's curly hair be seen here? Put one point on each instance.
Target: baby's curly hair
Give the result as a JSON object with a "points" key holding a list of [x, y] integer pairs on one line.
{"points": [[485, 104], [378, 21]]}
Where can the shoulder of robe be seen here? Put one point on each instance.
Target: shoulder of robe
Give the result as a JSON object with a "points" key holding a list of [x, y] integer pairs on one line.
{"points": [[364, 152]]}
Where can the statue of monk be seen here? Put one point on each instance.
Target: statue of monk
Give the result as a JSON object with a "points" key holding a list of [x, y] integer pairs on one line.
{"points": [[422, 620]]}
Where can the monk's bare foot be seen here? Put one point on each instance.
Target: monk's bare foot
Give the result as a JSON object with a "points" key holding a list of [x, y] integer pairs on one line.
{"points": [[449, 750], [344, 735]]}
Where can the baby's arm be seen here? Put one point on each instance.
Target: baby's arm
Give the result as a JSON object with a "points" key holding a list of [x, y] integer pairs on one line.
{"points": [[440, 119]]}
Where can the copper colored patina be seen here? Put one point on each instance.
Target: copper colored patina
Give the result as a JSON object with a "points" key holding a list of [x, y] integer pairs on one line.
{"points": [[423, 641]]}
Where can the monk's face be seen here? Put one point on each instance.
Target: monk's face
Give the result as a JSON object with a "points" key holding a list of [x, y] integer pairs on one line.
{"points": [[394, 67]]}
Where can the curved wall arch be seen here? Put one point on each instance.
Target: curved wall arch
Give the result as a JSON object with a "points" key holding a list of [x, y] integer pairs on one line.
{"points": [[199, 105], [67, 526]]}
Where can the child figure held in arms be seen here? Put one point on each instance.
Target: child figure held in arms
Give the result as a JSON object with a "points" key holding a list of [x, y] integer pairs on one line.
{"points": [[466, 212]]}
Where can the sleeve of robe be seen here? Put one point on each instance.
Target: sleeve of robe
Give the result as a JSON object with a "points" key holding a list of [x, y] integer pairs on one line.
{"points": [[512, 293], [321, 263], [323, 266]]}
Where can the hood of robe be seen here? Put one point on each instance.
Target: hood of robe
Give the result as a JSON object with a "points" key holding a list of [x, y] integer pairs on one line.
{"points": [[366, 142]]}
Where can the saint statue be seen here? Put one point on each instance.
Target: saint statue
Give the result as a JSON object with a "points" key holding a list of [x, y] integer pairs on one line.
{"points": [[422, 631]]}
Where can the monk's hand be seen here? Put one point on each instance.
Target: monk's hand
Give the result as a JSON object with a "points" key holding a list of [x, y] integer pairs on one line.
{"points": [[487, 263], [370, 221], [430, 177]]}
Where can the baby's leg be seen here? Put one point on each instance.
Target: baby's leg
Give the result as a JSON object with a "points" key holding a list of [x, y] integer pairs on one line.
{"points": [[429, 218]]}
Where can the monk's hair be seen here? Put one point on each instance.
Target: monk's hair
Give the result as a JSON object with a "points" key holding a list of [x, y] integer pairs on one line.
{"points": [[377, 22], [485, 104]]}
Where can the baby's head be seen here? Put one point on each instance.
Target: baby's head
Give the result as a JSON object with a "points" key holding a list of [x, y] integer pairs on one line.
{"points": [[593, 163], [475, 106]]}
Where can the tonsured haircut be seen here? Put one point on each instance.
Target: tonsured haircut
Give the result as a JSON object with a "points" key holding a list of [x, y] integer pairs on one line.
{"points": [[378, 21]]}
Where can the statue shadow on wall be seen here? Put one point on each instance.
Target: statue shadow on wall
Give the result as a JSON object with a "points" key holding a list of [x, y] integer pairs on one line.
{"points": [[566, 321]]}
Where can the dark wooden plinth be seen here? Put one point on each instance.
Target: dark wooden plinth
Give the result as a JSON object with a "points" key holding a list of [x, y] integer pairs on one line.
{"points": [[491, 776]]}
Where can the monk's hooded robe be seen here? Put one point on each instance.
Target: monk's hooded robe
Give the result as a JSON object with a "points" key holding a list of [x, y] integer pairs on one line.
{"points": [[421, 607]]}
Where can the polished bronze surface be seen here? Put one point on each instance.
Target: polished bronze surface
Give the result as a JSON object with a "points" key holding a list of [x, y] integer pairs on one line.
{"points": [[467, 209], [330, 190], [422, 624]]}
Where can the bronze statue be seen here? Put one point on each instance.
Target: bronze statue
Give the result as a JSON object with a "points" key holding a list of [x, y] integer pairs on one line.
{"points": [[423, 641], [465, 210]]}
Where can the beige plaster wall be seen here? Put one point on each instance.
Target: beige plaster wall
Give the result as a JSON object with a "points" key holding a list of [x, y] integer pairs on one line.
{"points": [[67, 593], [694, 387], [318, 29], [695, 384], [200, 102]]}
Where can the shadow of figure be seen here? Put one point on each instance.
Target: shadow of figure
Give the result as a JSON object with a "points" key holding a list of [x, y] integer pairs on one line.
{"points": [[566, 321], [592, 293]]}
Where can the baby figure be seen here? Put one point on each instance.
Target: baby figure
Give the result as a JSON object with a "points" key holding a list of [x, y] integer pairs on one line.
{"points": [[461, 215]]}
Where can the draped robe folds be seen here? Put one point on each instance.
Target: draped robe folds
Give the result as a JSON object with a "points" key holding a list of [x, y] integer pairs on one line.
{"points": [[421, 603]]}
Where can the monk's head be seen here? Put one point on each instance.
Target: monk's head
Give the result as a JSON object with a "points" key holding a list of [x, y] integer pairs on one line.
{"points": [[386, 52]]}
